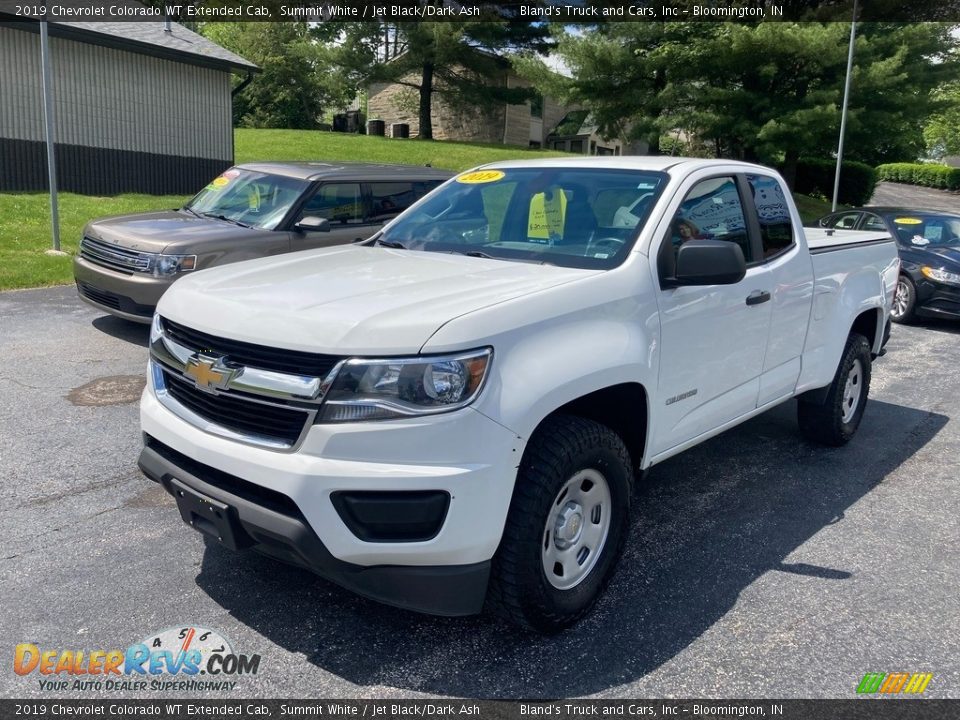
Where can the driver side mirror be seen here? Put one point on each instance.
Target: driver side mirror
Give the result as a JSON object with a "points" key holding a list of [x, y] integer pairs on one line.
{"points": [[312, 223], [709, 262]]}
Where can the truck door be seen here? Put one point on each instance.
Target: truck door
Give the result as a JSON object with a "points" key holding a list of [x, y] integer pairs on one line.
{"points": [[713, 337], [791, 286]]}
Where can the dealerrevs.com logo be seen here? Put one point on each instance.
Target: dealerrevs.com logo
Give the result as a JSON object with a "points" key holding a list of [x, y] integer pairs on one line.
{"points": [[178, 658]]}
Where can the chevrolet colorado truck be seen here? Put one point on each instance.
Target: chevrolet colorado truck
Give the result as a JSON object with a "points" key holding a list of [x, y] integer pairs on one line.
{"points": [[449, 416]]}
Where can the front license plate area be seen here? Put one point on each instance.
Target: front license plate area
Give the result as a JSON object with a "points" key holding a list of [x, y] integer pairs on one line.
{"points": [[209, 516]]}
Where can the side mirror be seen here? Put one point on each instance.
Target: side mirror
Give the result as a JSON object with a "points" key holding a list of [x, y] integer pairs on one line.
{"points": [[311, 223], [709, 262]]}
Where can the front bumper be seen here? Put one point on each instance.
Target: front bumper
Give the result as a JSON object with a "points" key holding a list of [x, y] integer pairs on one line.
{"points": [[935, 299], [130, 296], [463, 454], [268, 524]]}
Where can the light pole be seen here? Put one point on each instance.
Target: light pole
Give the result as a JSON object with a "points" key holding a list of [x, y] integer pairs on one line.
{"points": [[843, 111], [48, 117]]}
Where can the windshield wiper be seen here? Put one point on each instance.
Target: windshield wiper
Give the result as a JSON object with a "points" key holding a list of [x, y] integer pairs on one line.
{"points": [[226, 219], [391, 244], [191, 211], [472, 253]]}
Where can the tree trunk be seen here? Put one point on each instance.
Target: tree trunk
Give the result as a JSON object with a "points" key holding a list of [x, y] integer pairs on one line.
{"points": [[426, 96], [790, 167]]}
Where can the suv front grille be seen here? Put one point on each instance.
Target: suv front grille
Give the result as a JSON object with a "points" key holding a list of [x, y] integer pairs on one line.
{"points": [[279, 423], [114, 257], [292, 362]]}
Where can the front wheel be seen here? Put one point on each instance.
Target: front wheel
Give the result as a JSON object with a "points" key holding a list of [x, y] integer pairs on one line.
{"points": [[904, 300], [566, 527], [835, 421]]}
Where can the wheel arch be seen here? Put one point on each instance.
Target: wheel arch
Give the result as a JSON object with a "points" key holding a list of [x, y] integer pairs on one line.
{"points": [[624, 408]]}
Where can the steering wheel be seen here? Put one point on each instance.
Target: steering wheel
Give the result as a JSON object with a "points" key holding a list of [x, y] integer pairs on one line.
{"points": [[613, 244]]}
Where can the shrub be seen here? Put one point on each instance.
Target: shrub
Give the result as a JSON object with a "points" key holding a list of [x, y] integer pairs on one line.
{"points": [[815, 177], [926, 174]]}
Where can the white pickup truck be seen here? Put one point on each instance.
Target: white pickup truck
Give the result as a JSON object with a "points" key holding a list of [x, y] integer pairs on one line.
{"points": [[452, 415]]}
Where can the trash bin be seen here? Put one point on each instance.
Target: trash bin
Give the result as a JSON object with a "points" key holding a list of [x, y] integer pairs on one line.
{"points": [[376, 127], [400, 130]]}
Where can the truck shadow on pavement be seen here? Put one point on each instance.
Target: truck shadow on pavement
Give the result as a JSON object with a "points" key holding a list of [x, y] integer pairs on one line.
{"points": [[706, 525]]}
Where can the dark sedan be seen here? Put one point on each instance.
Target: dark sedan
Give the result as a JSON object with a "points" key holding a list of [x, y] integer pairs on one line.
{"points": [[929, 244]]}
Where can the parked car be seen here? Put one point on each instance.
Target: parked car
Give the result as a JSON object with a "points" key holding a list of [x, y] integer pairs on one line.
{"points": [[929, 244], [454, 411], [253, 210]]}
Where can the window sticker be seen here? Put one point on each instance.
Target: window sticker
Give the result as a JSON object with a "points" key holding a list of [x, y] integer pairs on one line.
{"points": [[219, 183], [908, 221], [481, 176]]}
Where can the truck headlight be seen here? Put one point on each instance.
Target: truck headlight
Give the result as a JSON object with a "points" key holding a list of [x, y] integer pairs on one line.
{"points": [[405, 387], [164, 265], [940, 275]]}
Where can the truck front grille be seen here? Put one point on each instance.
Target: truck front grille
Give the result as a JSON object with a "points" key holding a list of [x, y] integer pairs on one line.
{"points": [[114, 257], [260, 356], [279, 423]]}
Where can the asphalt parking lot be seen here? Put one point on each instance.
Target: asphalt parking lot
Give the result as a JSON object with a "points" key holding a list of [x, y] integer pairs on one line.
{"points": [[758, 565]]}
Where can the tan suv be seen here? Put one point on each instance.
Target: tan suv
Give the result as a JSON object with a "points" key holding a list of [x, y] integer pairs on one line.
{"points": [[253, 210]]}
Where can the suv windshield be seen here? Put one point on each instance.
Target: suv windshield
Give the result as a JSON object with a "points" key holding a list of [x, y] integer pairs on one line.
{"points": [[585, 218], [248, 198], [926, 229]]}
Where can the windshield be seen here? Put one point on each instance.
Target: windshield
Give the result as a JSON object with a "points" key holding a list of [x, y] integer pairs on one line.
{"points": [[585, 218], [248, 198], [927, 229]]}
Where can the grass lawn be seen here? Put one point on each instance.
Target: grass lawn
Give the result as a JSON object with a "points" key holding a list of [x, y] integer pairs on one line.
{"points": [[25, 217]]}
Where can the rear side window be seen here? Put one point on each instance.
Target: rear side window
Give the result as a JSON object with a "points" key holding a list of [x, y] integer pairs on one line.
{"points": [[389, 199], [873, 222], [776, 228], [712, 210]]}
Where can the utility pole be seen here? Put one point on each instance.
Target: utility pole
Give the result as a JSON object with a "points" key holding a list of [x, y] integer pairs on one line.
{"points": [[48, 117], [843, 111]]}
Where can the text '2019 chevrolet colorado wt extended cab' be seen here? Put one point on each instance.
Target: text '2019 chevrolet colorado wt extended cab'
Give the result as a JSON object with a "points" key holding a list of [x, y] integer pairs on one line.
{"points": [[453, 414]]}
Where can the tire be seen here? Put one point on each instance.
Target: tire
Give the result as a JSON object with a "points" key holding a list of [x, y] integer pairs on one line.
{"points": [[904, 301], [834, 421], [551, 566]]}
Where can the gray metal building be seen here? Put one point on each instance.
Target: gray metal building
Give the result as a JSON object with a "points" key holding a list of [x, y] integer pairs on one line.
{"points": [[139, 108]]}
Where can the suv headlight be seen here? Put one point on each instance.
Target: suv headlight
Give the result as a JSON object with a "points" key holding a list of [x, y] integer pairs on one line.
{"points": [[164, 265], [940, 275], [405, 387]]}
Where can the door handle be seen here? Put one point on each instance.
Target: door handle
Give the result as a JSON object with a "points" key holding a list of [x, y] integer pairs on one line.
{"points": [[757, 297]]}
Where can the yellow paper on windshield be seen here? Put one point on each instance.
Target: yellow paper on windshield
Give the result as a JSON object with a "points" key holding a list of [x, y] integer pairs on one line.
{"points": [[480, 176], [908, 221]]}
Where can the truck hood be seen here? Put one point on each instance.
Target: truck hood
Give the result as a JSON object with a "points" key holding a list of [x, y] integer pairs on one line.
{"points": [[156, 231], [350, 300]]}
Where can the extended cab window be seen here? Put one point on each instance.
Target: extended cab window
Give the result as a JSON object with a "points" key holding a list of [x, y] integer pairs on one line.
{"points": [[340, 203], [776, 229], [712, 210]]}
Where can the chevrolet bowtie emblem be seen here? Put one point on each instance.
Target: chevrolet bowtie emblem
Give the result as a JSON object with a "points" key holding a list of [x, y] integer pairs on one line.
{"points": [[209, 373]]}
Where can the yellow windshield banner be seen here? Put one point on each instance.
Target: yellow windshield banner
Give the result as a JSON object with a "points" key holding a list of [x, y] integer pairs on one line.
{"points": [[908, 221], [481, 176]]}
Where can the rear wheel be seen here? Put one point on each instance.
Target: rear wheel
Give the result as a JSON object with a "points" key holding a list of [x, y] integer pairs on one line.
{"points": [[566, 527], [904, 300], [836, 419]]}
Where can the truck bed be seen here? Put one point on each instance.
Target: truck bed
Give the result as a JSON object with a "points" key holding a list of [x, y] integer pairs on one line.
{"points": [[821, 240]]}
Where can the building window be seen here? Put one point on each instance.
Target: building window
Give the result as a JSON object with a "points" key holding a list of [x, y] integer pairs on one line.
{"points": [[576, 146], [536, 106], [534, 145]]}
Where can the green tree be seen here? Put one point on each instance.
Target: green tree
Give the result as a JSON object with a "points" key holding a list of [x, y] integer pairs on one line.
{"points": [[942, 132], [294, 86], [456, 60], [767, 91]]}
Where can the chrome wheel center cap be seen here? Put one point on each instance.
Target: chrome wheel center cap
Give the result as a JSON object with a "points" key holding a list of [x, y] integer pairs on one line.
{"points": [[569, 525]]}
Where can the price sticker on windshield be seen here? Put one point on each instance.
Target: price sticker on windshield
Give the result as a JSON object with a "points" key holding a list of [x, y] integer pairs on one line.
{"points": [[480, 176], [908, 221]]}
